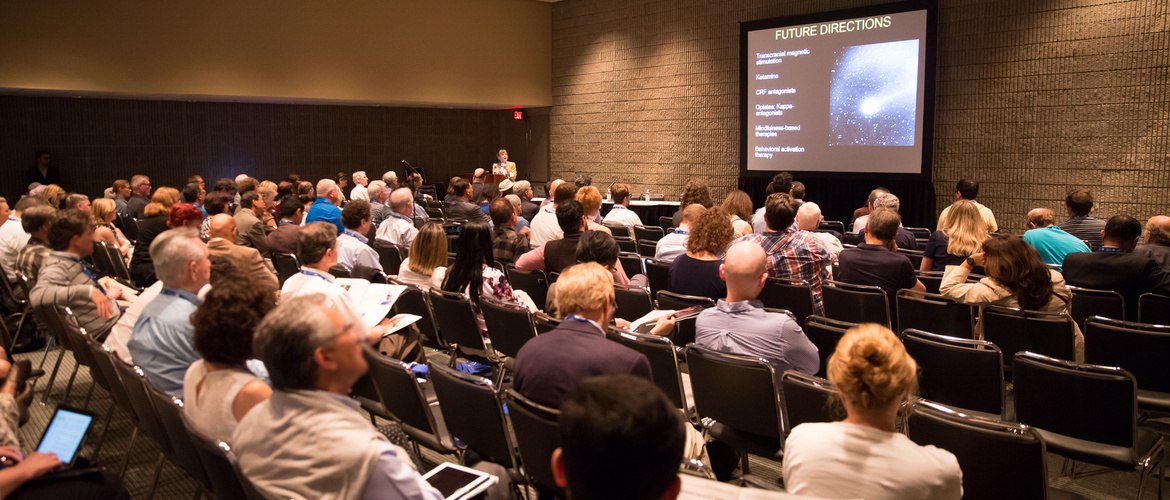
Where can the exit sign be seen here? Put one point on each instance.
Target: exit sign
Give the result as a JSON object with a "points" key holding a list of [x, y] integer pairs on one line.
{"points": [[518, 115]]}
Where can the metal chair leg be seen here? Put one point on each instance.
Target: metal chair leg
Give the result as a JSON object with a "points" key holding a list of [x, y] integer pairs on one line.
{"points": [[157, 472], [97, 448], [89, 393], [52, 377], [69, 386], [126, 460]]}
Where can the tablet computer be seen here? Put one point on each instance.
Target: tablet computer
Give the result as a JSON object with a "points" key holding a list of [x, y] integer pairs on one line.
{"points": [[66, 433], [459, 482]]}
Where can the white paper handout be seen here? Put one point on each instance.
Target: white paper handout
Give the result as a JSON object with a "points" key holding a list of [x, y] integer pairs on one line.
{"points": [[371, 300]]}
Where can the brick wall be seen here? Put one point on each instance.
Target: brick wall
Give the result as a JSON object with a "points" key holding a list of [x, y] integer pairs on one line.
{"points": [[1032, 97]]}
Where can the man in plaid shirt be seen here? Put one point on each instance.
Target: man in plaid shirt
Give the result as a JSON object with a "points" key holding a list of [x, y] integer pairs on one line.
{"points": [[793, 255], [507, 244]]}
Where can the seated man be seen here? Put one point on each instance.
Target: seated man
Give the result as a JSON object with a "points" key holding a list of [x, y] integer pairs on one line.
{"points": [[476, 183], [740, 325], [545, 226], [1079, 203], [353, 248], [620, 213], [793, 256], [781, 183], [310, 437], [809, 218], [528, 209], [283, 239], [222, 243], [877, 261], [13, 236], [672, 245], [162, 343], [1157, 244], [250, 225], [65, 280], [1051, 241], [324, 208], [379, 197], [866, 209], [968, 189], [1113, 267], [550, 366], [620, 438], [558, 254], [905, 239], [507, 244], [398, 228], [461, 206]]}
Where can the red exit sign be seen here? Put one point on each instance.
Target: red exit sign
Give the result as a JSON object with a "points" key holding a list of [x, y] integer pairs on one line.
{"points": [[518, 115]]}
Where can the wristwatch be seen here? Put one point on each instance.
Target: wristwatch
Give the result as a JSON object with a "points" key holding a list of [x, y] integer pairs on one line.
{"points": [[970, 262]]}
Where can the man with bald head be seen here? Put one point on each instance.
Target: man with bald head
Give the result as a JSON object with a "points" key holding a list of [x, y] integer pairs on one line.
{"points": [[398, 228], [222, 235], [739, 324], [549, 189], [1157, 241], [1052, 242], [476, 183]]}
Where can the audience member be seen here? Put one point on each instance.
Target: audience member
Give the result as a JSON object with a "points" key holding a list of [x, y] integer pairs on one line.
{"points": [[551, 366], [161, 343], [809, 218], [521, 223], [102, 214], [122, 193], [695, 191], [476, 183], [528, 209], [31, 258], [325, 206], [1157, 242], [353, 247], [621, 213], [967, 190], [426, 265], [1079, 203], [53, 195], [65, 280], [620, 437], [738, 206], [359, 191], [192, 193], [507, 244], [961, 234], [904, 239], [13, 236], [1016, 277], [599, 247], [5, 211], [379, 198], [740, 325], [545, 226], [472, 273], [560, 253], [284, 238], [77, 201], [215, 203], [152, 224], [550, 189], [247, 261], [798, 191], [390, 180], [451, 196], [1051, 241], [697, 271], [487, 195], [43, 172], [865, 210], [781, 183], [590, 199], [314, 356], [670, 246], [268, 191], [877, 261], [865, 456], [139, 196], [249, 223], [1114, 267], [793, 256], [398, 228], [461, 206]]}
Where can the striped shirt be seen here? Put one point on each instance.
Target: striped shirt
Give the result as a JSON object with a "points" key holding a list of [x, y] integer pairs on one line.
{"points": [[795, 256], [63, 281], [1085, 228]]}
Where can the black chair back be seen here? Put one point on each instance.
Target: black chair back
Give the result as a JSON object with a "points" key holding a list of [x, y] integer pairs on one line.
{"points": [[103, 359], [932, 280], [101, 260], [286, 265], [920, 233], [1154, 309], [533, 283], [666, 222], [825, 333], [998, 460], [626, 244], [663, 362], [617, 229], [170, 413], [633, 301], [456, 319], [134, 381], [226, 479], [414, 301], [915, 256], [755, 404], [1087, 302], [808, 399], [935, 313], [509, 326], [631, 263], [472, 411], [128, 226], [657, 275], [652, 233], [646, 248], [671, 300], [958, 372], [797, 298], [402, 397], [1016, 330], [535, 428], [856, 303], [544, 323], [434, 212], [832, 225], [388, 256], [1141, 349]]}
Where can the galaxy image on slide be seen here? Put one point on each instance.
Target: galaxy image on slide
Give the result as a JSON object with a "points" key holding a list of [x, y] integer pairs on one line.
{"points": [[873, 95]]}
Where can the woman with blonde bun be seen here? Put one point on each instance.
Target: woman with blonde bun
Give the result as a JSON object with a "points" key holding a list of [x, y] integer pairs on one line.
{"points": [[864, 456]]}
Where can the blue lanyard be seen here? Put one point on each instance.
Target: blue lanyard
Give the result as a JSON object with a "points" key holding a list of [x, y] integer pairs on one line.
{"points": [[574, 317], [173, 293], [91, 278], [1110, 249], [282, 221], [14, 219], [682, 231], [618, 207], [307, 273]]}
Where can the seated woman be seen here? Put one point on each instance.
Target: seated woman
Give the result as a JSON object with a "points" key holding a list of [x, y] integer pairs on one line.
{"points": [[864, 456], [1016, 277], [472, 273], [738, 206], [218, 390], [102, 213], [959, 235], [487, 195], [152, 224], [697, 271], [590, 199], [425, 267]]}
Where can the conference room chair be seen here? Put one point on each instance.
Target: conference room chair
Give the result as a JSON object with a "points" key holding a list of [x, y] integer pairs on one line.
{"points": [[618, 230], [76, 338], [429, 189], [919, 232], [56, 330], [1154, 309], [750, 419], [103, 358], [535, 428], [128, 226], [434, 212], [633, 301], [414, 301], [1141, 349], [666, 222], [831, 225], [121, 272], [388, 256], [646, 248], [20, 301], [227, 481], [183, 453], [533, 283], [1015, 330], [934, 313], [664, 367], [509, 326], [134, 381], [286, 265], [631, 263], [652, 233], [1087, 302], [684, 330], [415, 408], [101, 260], [419, 222], [825, 333], [459, 326], [544, 323], [932, 280], [626, 244], [1086, 413], [808, 399], [657, 275], [856, 303], [998, 459], [852, 239], [473, 411], [959, 372], [796, 298], [915, 256]]}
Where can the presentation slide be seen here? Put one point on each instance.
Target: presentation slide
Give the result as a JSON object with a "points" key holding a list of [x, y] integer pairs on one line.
{"points": [[846, 95]]}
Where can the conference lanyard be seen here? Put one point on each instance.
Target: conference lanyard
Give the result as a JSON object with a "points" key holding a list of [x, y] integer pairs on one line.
{"points": [[307, 273], [682, 231], [1110, 249], [619, 207], [173, 293], [400, 216], [282, 221]]}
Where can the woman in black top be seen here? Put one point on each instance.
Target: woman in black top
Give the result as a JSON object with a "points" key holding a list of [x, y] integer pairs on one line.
{"points": [[697, 271], [959, 235], [153, 223]]}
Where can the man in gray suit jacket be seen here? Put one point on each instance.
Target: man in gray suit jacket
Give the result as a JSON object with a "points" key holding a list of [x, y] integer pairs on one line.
{"points": [[251, 230], [64, 280]]}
